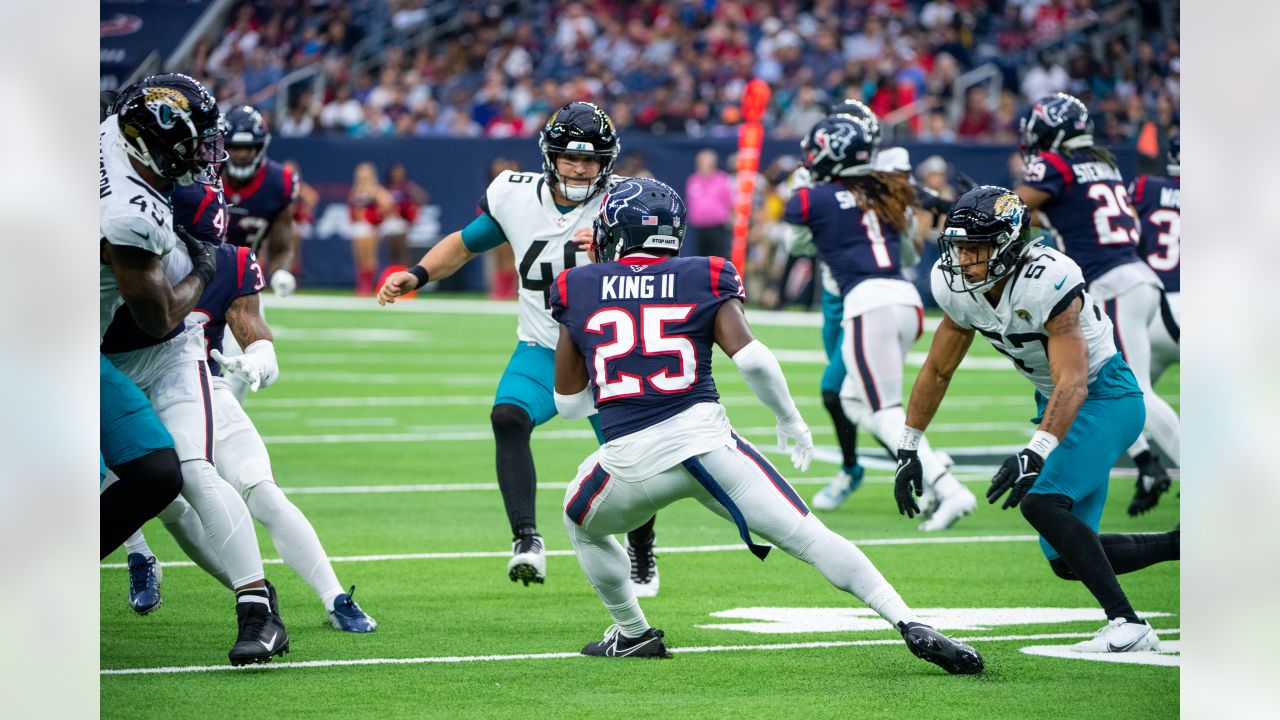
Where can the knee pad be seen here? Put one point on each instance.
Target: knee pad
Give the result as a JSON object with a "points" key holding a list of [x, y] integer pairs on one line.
{"points": [[1061, 570], [1040, 509], [158, 474], [510, 418]]}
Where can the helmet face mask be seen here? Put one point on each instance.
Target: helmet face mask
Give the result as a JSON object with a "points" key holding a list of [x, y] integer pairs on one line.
{"points": [[579, 129], [246, 129], [171, 124], [638, 214], [985, 235]]}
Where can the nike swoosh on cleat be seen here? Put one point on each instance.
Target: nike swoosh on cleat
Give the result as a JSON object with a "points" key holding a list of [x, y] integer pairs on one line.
{"points": [[1125, 648], [272, 643]]}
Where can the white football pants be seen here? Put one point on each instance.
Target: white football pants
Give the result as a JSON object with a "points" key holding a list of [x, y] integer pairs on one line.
{"points": [[598, 506], [175, 377], [241, 459], [875, 351], [1132, 312], [1165, 332]]}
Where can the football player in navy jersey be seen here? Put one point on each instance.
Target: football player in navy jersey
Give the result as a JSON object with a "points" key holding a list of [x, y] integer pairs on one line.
{"points": [[261, 193], [1081, 195], [637, 331], [1157, 199], [231, 300], [858, 218]]}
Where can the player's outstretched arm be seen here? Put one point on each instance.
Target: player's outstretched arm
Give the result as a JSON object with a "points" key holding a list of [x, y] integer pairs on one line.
{"points": [[441, 261], [282, 244], [257, 366], [760, 369], [573, 388], [1069, 366], [157, 306], [950, 344]]}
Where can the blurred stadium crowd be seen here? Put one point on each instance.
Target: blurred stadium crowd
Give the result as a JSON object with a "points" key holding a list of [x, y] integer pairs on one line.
{"points": [[934, 70]]}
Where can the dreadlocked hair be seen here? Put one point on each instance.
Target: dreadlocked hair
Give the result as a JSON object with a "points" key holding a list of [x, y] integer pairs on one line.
{"points": [[1099, 154], [888, 194]]}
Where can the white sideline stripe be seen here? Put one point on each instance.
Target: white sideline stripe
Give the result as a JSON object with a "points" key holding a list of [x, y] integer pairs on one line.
{"points": [[454, 659], [254, 403], [464, 433], [433, 304], [566, 553]]}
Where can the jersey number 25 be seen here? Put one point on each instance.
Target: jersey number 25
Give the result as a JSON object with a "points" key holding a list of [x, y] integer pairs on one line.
{"points": [[652, 340]]}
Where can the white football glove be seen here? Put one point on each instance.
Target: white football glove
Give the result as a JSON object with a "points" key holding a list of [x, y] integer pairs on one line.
{"points": [[242, 366], [796, 429], [283, 283]]}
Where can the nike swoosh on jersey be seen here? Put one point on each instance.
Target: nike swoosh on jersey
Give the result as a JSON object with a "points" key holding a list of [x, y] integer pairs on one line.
{"points": [[1059, 285], [144, 236]]}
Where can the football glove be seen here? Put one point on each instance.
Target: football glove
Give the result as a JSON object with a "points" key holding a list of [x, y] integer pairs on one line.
{"points": [[283, 283], [242, 366], [204, 258], [1017, 474], [908, 481], [802, 451]]}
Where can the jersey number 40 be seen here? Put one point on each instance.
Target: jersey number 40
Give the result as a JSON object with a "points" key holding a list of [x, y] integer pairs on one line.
{"points": [[652, 340], [546, 271]]}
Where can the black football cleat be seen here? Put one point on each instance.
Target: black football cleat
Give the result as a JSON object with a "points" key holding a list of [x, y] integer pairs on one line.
{"points": [[262, 635], [615, 644], [931, 645], [1153, 481]]}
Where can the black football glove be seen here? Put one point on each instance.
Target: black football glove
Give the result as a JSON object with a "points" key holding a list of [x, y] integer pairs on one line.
{"points": [[963, 182], [204, 256], [1018, 472], [908, 479]]}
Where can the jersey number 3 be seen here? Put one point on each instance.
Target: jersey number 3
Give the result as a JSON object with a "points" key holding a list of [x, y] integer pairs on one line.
{"points": [[652, 340]]}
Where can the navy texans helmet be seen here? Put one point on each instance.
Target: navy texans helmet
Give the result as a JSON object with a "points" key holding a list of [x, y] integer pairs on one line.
{"points": [[579, 128], [838, 146], [171, 124], [1174, 156], [638, 214], [246, 128], [1055, 123], [992, 216], [859, 110]]}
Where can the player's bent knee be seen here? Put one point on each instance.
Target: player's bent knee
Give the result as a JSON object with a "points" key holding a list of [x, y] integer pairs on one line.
{"points": [[1061, 570], [1040, 510], [158, 475], [506, 416]]}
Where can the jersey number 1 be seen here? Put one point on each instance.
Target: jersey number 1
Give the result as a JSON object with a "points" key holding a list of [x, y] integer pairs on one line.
{"points": [[652, 342]]}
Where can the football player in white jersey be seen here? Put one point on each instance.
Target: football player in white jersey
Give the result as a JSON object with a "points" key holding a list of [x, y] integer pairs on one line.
{"points": [[538, 215], [1030, 302], [166, 129]]}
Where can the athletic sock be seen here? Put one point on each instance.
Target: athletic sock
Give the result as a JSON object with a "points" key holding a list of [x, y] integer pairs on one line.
{"points": [[517, 476], [846, 431], [295, 540], [1080, 549], [253, 595], [138, 544]]}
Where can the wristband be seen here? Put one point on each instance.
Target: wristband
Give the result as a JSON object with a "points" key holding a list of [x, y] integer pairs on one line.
{"points": [[419, 272], [1042, 443], [910, 439]]}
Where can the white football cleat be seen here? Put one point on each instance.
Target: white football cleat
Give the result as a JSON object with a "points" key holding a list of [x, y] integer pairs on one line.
{"points": [[527, 561], [839, 489], [1120, 635], [948, 510]]}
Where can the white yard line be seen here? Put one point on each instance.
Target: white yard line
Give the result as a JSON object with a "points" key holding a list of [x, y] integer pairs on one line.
{"points": [[254, 403], [925, 540], [456, 659]]}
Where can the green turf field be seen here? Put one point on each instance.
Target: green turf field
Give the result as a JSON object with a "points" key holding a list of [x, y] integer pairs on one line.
{"points": [[400, 397]]}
